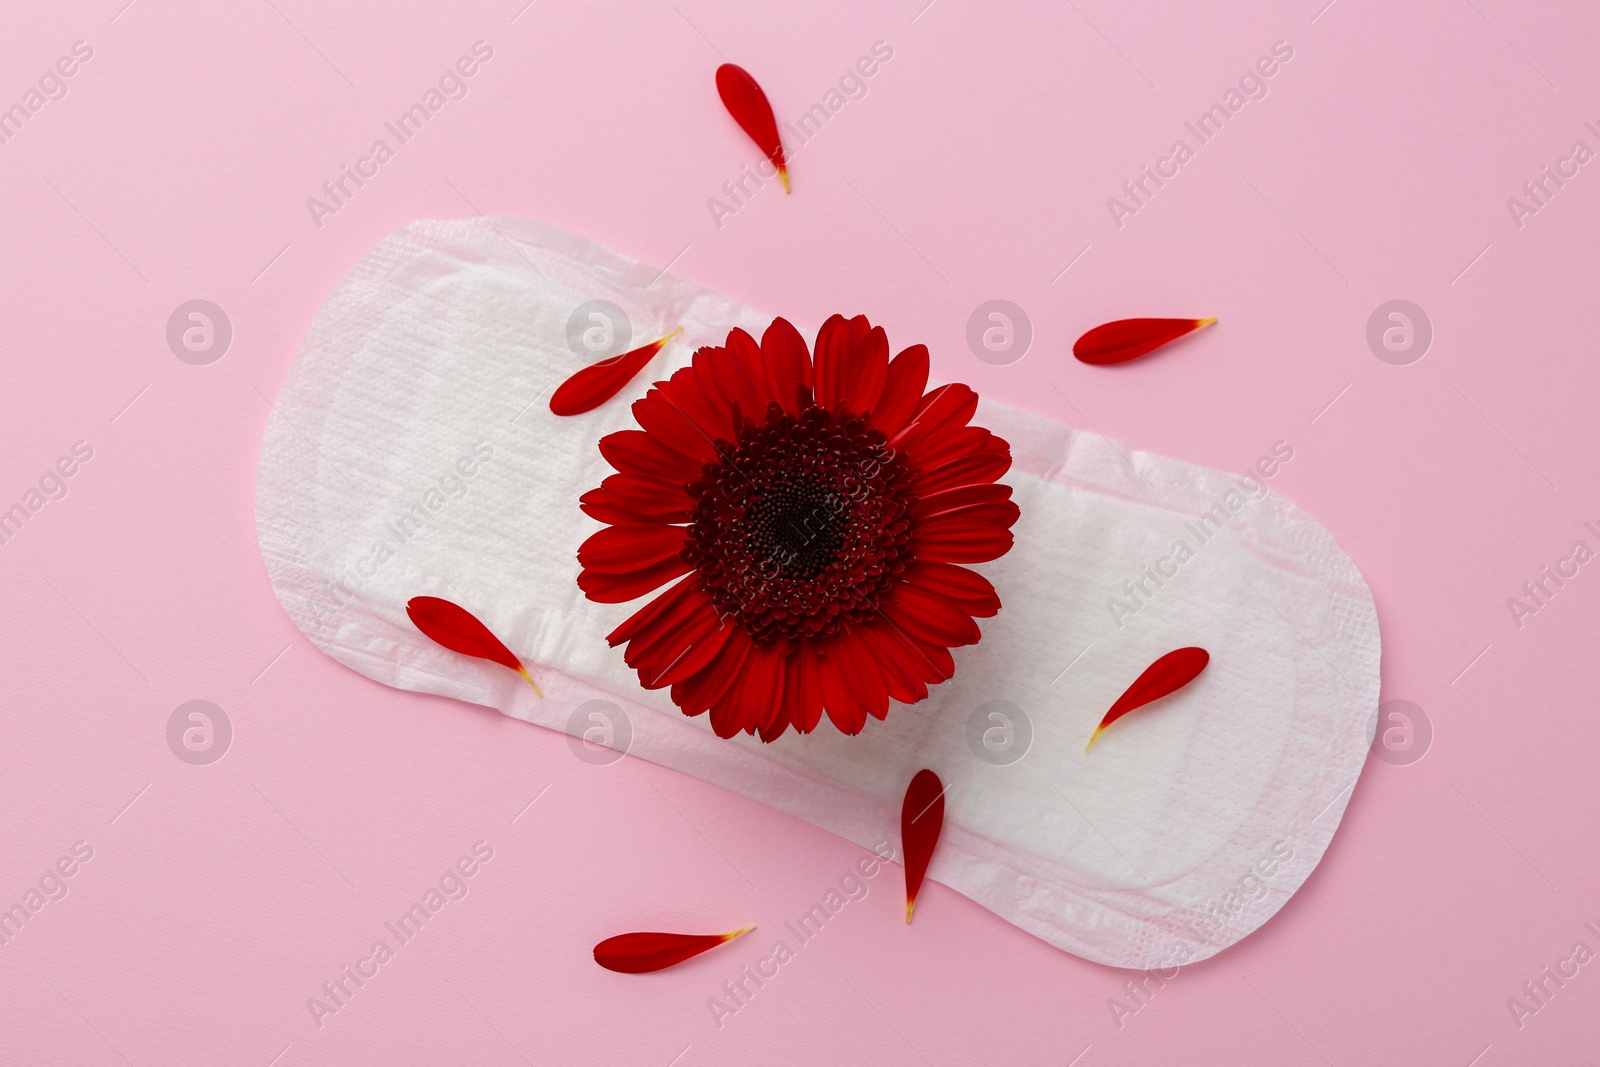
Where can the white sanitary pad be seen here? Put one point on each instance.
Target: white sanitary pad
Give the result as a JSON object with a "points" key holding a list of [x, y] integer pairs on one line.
{"points": [[412, 451]]}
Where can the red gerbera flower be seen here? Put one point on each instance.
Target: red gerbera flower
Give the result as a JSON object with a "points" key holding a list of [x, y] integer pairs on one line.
{"points": [[813, 515]]}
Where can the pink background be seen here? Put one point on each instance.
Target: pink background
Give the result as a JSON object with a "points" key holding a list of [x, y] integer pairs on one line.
{"points": [[220, 897]]}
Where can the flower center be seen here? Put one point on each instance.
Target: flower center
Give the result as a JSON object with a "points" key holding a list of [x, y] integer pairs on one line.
{"points": [[803, 525]]}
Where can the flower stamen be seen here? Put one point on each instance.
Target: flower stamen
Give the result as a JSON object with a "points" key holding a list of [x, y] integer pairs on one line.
{"points": [[803, 525]]}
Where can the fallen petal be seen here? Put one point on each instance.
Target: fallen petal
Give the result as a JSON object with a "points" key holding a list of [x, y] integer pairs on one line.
{"points": [[1125, 339], [642, 952], [457, 629], [599, 382], [921, 819], [1166, 675], [748, 105]]}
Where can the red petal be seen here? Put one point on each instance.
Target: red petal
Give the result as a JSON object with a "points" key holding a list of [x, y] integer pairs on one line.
{"points": [[636, 452], [940, 664], [701, 653], [621, 563], [921, 819], [634, 498], [667, 610], [699, 693], [692, 392], [725, 721], [951, 443], [966, 589], [964, 496], [943, 411], [1125, 339], [723, 372], [457, 629], [667, 654], [802, 688], [847, 710], [863, 675], [1000, 516], [1166, 675], [621, 588], [594, 504], [748, 105], [727, 712], [907, 377], [901, 663], [747, 354], [836, 345], [871, 371], [625, 549], [853, 374], [930, 617], [690, 623], [932, 662], [642, 952], [757, 696], [664, 421], [595, 384], [957, 539], [968, 470], [788, 363]]}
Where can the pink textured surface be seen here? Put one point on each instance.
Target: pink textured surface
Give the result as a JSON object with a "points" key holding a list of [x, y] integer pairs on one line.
{"points": [[219, 898]]}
